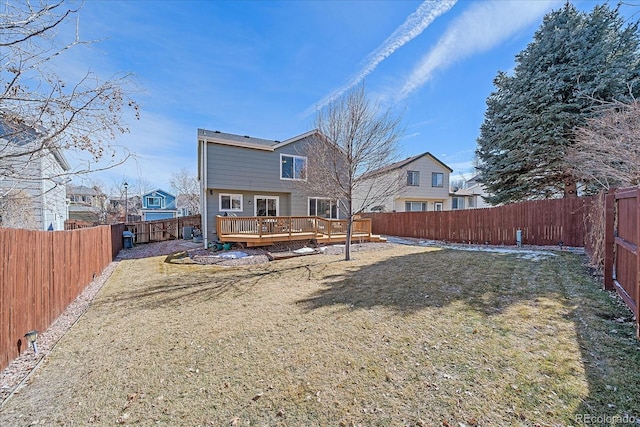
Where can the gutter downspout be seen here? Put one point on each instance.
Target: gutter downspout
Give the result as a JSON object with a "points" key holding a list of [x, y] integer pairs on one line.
{"points": [[203, 195]]}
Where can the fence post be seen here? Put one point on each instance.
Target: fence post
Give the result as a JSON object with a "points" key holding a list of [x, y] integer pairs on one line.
{"points": [[609, 245], [637, 278]]}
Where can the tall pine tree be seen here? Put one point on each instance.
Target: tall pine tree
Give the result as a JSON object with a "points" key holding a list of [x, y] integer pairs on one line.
{"points": [[575, 60]]}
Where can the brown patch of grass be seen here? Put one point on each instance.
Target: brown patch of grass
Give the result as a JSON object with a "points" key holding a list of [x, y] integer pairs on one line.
{"points": [[397, 337]]}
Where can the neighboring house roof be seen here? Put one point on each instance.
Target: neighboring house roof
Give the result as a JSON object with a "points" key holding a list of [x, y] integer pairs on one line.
{"points": [[475, 190], [20, 134], [246, 141], [169, 198], [166, 193], [82, 208], [405, 162], [81, 190]]}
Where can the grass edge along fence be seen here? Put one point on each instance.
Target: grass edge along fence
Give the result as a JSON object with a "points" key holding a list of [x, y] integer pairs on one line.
{"points": [[42, 272], [541, 222]]}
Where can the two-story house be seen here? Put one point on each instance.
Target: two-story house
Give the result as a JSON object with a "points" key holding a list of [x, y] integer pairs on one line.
{"points": [[158, 204], [86, 204], [32, 180], [247, 176], [423, 185]]}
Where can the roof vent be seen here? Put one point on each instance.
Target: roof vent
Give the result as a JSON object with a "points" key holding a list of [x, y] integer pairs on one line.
{"points": [[247, 136], [276, 140]]}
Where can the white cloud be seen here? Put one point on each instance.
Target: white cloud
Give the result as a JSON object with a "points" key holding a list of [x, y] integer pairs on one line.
{"points": [[160, 146], [481, 27], [415, 24]]}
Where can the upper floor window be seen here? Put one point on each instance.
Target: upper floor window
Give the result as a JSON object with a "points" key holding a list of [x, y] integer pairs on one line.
{"points": [[293, 167], [437, 179], [413, 178], [153, 202], [231, 202]]}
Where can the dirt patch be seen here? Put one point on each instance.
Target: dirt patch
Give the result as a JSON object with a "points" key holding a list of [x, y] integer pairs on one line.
{"points": [[271, 253]]}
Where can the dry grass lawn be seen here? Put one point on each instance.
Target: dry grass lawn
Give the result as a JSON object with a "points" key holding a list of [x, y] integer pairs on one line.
{"points": [[403, 336]]}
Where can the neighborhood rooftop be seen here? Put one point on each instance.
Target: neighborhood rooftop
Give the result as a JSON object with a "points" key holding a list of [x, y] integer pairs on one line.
{"points": [[246, 140], [401, 163], [216, 134]]}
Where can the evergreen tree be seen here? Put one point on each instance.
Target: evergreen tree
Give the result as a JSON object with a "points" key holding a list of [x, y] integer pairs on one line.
{"points": [[575, 61]]}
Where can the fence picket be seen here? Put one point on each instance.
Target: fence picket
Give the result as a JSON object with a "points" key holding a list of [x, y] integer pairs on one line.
{"points": [[42, 272], [543, 222]]}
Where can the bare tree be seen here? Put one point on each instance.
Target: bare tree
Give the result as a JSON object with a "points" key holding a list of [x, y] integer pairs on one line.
{"points": [[186, 186], [17, 210], [43, 111], [606, 153], [356, 141]]}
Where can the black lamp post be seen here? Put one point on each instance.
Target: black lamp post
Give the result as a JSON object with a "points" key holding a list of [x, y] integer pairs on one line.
{"points": [[126, 203]]}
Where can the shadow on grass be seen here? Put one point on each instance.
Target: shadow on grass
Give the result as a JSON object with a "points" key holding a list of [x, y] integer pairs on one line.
{"points": [[197, 286], [490, 283], [486, 282]]}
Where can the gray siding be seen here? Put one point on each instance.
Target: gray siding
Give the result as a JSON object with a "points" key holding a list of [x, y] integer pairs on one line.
{"points": [[247, 171], [250, 172]]}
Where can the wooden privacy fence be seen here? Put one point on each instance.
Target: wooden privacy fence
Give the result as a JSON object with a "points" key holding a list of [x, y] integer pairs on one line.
{"points": [[542, 222], [162, 229], [622, 242], [42, 272]]}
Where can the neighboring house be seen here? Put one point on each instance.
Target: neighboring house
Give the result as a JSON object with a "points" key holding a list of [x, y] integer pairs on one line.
{"points": [[117, 203], [86, 204], [246, 176], [32, 186], [469, 197], [188, 204], [423, 182], [158, 204]]}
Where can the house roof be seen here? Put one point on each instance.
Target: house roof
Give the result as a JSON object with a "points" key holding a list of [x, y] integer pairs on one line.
{"points": [[81, 190], [21, 134], [405, 162], [158, 190], [246, 141]]}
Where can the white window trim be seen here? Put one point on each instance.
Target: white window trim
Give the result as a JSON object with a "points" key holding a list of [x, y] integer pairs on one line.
{"points": [[422, 204], [436, 204], [159, 205], [294, 167], [331, 201], [255, 203], [415, 174], [433, 175], [231, 196]]}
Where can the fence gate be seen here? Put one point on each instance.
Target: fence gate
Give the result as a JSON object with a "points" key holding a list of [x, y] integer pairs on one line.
{"points": [[622, 239]]}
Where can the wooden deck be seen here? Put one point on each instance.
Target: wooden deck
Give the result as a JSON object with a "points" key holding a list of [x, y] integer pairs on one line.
{"points": [[265, 230]]}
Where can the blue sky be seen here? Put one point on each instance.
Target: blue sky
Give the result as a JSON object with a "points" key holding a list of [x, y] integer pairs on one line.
{"points": [[262, 68]]}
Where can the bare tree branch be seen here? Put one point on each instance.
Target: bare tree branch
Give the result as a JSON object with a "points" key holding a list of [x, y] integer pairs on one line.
{"points": [[355, 139], [187, 188], [606, 152], [42, 112]]}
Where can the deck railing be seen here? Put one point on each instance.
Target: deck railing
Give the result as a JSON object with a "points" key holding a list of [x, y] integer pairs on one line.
{"points": [[265, 226]]}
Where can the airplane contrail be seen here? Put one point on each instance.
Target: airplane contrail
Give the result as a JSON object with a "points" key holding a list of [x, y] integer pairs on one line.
{"points": [[481, 27], [415, 24]]}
